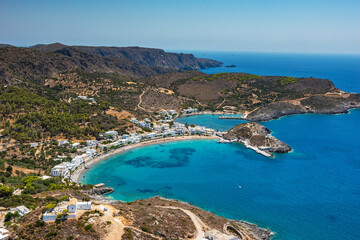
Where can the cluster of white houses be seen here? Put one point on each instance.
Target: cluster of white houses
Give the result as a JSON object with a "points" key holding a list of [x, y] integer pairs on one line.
{"points": [[190, 110], [66, 209]]}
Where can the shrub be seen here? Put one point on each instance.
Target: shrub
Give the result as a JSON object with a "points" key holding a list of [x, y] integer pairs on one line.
{"points": [[39, 223], [88, 227]]}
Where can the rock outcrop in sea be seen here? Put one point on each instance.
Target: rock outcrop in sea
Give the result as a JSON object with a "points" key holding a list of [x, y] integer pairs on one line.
{"points": [[256, 135]]}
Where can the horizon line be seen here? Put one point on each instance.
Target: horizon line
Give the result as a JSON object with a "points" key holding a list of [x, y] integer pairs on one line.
{"points": [[189, 51]]}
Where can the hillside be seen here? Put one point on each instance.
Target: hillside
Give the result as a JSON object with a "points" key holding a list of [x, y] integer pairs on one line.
{"points": [[144, 56], [24, 64]]}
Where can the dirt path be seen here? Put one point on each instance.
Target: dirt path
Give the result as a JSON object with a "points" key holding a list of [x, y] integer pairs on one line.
{"points": [[199, 225], [140, 100], [202, 229], [218, 106], [139, 230], [116, 229]]}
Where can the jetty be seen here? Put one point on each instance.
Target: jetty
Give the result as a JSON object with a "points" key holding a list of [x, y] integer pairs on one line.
{"points": [[258, 150], [231, 117]]}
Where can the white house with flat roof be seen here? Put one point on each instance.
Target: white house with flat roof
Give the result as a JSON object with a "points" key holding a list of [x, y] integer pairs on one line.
{"points": [[111, 133], [77, 160], [62, 169], [63, 142], [91, 143], [4, 234], [91, 153], [151, 135], [134, 120], [72, 206], [190, 110], [22, 210], [75, 145], [86, 98]]}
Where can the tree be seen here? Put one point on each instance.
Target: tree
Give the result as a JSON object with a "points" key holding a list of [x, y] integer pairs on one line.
{"points": [[9, 169], [6, 191]]}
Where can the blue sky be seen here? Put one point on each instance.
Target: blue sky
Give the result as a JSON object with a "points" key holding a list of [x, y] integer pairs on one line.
{"points": [[322, 26]]}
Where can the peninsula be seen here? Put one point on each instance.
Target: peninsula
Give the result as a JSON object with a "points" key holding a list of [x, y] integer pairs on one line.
{"points": [[257, 137]]}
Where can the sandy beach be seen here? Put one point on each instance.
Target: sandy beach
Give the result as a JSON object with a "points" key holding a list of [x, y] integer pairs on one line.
{"points": [[75, 177]]}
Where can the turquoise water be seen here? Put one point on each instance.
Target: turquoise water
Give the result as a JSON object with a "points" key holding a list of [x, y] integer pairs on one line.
{"points": [[211, 120], [343, 70], [310, 193]]}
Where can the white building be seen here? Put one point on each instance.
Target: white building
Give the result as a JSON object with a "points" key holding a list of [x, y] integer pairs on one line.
{"points": [[45, 177], [111, 133], [22, 210], [91, 143], [4, 234], [172, 112], [34, 144], [75, 145], [125, 136], [63, 142], [180, 130], [121, 141], [77, 160], [73, 206], [158, 128], [177, 125], [62, 169], [190, 110], [151, 135], [134, 120], [168, 133], [91, 153], [197, 129], [86, 98]]}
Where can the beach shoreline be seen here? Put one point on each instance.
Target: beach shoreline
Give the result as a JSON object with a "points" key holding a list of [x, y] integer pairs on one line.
{"points": [[75, 177]]}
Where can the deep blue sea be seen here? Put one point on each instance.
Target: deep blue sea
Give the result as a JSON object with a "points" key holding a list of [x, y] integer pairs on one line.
{"points": [[310, 193]]}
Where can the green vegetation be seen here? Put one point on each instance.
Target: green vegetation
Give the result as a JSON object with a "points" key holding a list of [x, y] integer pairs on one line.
{"points": [[37, 117], [227, 76], [287, 80], [51, 206], [88, 227], [6, 191]]}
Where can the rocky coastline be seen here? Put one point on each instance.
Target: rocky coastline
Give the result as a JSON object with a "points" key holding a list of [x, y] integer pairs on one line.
{"points": [[315, 104], [257, 137]]}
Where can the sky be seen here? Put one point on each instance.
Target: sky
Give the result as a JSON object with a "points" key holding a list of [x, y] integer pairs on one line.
{"points": [[318, 26]]}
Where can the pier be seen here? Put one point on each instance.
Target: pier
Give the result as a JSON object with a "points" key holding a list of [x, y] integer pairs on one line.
{"points": [[231, 117]]}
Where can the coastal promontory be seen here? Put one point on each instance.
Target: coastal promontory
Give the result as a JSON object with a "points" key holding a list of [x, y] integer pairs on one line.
{"points": [[256, 135]]}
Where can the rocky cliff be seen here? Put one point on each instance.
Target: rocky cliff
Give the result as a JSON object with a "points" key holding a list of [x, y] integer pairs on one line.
{"points": [[145, 56], [256, 135], [320, 104], [21, 64]]}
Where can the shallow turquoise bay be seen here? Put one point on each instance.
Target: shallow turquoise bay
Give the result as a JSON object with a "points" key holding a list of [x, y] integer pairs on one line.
{"points": [[310, 193]]}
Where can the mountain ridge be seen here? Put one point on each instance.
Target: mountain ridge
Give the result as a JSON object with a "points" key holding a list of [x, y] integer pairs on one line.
{"points": [[153, 57]]}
